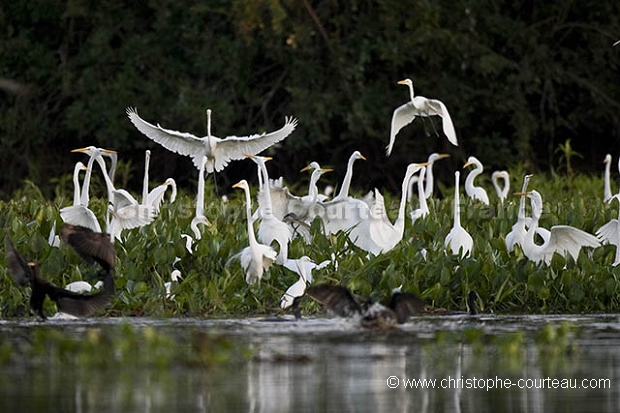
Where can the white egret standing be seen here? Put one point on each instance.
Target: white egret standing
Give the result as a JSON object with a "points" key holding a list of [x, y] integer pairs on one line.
{"points": [[271, 228], [563, 239], [219, 152], [517, 235], [430, 179], [79, 213], [607, 183], [256, 258], [423, 210], [458, 240], [380, 235], [303, 267], [502, 192], [419, 106], [610, 232], [199, 217], [343, 194], [475, 192]]}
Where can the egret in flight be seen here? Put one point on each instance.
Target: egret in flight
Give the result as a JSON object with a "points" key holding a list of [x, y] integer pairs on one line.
{"points": [[419, 106], [218, 151]]}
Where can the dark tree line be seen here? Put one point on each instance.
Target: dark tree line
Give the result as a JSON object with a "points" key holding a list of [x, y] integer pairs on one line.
{"points": [[519, 79]]}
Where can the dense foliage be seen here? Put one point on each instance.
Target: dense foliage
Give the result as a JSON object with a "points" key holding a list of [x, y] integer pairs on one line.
{"points": [[519, 79], [214, 287]]}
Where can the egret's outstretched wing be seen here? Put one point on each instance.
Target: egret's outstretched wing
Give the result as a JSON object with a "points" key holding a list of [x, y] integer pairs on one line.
{"points": [[336, 298], [566, 239], [234, 148], [156, 196], [17, 266], [182, 143], [440, 109], [402, 116], [610, 232], [80, 215]]}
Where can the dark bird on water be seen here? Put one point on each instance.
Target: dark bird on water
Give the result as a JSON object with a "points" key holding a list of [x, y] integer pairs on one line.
{"points": [[342, 302], [92, 247]]}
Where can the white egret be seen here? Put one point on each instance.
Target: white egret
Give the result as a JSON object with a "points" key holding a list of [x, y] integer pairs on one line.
{"points": [[79, 213], [126, 212], [419, 106], [458, 240], [606, 178], [303, 267], [429, 178], [343, 194], [155, 197], [378, 234], [219, 152], [563, 239], [475, 192], [199, 217], [175, 277], [502, 192], [610, 232], [271, 228], [256, 258], [517, 235], [423, 210]]}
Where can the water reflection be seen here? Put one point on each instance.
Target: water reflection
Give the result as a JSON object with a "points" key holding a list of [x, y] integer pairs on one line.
{"points": [[314, 365]]}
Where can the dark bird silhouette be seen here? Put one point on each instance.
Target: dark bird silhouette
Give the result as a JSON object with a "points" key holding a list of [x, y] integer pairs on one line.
{"points": [[93, 247], [342, 302]]}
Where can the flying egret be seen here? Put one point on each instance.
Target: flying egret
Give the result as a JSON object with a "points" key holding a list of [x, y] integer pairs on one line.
{"points": [[419, 106], [199, 217], [219, 152], [458, 241], [475, 192], [343, 194], [271, 228], [343, 303], [607, 183], [502, 192], [92, 246], [303, 267], [610, 232], [563, 239], [256, 258]]}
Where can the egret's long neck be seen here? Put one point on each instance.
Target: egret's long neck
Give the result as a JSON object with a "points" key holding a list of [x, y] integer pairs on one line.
{"points": [[145, 183], [421, 194], [521, 213], [399, 225], [76, 185], [248, 212], [411, 95], [607, 181], [313, 189], [457, 201], [469, 181], [346, 182], [265, 186], [86, 184], [430, 181], [106, 177], [209, 122]]}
